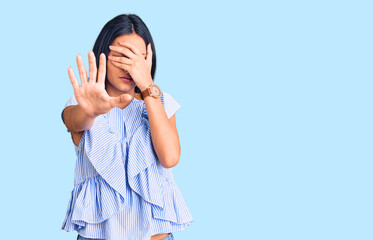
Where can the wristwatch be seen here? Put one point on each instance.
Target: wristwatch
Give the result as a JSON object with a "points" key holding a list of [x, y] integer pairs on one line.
{"points": [[153, 91]]}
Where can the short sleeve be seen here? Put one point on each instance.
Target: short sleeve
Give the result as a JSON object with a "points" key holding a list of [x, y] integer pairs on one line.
{"points": [[71, 101], [170, 104]]}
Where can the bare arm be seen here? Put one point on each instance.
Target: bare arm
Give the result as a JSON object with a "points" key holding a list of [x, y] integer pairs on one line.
{"points": [[76, 120], [164, 133]]}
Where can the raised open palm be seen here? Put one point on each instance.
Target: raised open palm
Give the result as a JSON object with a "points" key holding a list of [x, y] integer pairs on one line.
{"points": [[91, 94]]}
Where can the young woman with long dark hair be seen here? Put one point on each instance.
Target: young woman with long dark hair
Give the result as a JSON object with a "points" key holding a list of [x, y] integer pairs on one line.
{"points": [[124, 132]]}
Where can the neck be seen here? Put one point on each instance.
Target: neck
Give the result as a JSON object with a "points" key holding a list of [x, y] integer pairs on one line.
{"points": [[127, 98]]}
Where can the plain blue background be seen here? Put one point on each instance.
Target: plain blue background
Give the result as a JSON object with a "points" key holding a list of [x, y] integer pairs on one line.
{"points": [[275, 121]]}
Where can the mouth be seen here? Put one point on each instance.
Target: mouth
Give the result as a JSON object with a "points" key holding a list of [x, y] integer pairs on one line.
{"points": [[126, 79]]}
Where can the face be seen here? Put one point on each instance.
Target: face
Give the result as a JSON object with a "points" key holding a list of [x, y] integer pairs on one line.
{"points": [[116, 86]]}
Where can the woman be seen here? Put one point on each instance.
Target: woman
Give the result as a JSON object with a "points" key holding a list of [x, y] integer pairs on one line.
{"points": [[124, 132]]}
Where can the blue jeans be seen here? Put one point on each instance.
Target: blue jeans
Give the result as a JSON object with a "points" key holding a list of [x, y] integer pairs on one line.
{"points": [[168, 237]]}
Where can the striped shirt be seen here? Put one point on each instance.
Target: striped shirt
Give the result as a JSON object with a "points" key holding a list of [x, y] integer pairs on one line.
{"points": [[121, 191]]}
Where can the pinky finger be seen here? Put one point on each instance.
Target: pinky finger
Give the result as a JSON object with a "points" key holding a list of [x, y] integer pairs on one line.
{"points": [[73, 79], [120, 65]]}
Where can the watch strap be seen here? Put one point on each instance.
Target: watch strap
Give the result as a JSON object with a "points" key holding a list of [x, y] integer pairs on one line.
{"points": [[145, 93], [149, 91]]}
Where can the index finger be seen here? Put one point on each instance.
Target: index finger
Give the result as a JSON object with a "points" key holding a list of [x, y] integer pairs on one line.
{"points": [[131, 47]]}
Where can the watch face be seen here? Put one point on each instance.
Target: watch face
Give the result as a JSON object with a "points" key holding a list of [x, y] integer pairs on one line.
{"points": [[156, 90]]}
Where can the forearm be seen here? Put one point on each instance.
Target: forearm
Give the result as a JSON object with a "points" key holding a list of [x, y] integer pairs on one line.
{"points": [[164, 135], [76, 119]]}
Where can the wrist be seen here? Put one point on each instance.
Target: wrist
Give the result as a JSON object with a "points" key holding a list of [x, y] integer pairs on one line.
{"points": [[89, 115], [146, 85]]}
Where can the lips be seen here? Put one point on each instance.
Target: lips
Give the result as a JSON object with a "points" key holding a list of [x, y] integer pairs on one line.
{"points": [[126, 78]]}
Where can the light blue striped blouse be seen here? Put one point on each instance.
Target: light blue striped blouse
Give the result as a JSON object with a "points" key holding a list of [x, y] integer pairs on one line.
{"points": [[121, 191]]}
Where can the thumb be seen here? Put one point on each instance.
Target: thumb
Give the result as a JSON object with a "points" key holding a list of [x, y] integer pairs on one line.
{"points": [[115, 101]]}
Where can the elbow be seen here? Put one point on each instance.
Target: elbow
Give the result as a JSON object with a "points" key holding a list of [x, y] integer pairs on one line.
{"points": [[172, 159], [171, 162]]}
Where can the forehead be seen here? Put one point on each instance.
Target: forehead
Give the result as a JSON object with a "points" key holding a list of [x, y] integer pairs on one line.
{"points": [[133, 39]]}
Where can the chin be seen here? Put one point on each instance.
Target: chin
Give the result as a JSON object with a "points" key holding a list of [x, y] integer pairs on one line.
{"points": [[122, 86], [126, 88]]}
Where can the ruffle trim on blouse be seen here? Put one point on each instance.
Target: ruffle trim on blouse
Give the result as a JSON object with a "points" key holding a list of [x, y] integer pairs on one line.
{"points": [[98, 198], [92, 202], [174, 208], [148, 178], [104, 151], [143, 174]]}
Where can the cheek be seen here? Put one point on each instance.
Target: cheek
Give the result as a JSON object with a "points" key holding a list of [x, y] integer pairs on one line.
{"points": [[110, 65], [110, 68]]}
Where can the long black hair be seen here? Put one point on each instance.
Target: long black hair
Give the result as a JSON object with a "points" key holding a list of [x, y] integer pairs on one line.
{"points": [[121, 25]]}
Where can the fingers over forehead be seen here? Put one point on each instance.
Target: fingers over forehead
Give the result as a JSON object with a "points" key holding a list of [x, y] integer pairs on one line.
{"points": [[133, 48], [127, 52]]}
